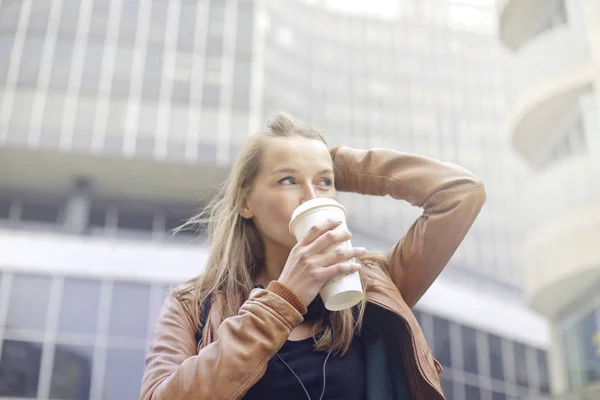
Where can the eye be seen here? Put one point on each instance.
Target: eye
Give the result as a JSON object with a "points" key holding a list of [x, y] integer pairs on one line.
{"points": [[288, 180], [326, 182]]}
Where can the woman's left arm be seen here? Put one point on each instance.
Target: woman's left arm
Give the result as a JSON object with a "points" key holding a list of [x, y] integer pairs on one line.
{"points": [[451, 198]]}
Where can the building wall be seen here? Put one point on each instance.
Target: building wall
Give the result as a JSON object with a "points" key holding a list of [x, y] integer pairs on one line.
{"points": [[76, 307], [150, 79], [555, 127], [428, 78], [65, 336], [119, 118]]}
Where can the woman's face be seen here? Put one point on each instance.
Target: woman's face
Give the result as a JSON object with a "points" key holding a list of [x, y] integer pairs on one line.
{"points": [[292, 171]]}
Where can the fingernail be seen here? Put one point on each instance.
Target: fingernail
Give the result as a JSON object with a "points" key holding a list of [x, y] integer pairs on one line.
{"points": [[335, 221], [362, 250]]}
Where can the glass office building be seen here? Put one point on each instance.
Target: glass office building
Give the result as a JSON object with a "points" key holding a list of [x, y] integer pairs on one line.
{"points": [[554, 126], [120, 118]]}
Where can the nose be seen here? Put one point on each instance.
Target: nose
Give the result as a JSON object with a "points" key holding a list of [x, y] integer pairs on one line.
{"points": [[308, 193]]}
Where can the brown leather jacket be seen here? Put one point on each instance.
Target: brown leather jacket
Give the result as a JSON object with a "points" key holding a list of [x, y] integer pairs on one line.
{"points": [[234, 352]]}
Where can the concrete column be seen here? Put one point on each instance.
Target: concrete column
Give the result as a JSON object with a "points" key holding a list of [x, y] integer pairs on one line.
{"points": [[556, 362], [78, 207]]}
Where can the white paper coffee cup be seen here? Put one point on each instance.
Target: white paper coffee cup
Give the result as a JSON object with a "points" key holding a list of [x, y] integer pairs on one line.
{"points": [[341, 292]]}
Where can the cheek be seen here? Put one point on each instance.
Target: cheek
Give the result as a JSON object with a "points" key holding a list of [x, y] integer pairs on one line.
{"points": [[273, 214]]}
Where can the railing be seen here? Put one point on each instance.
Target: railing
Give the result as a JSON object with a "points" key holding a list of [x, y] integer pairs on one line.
{"points": [[545, 57], [567, 185]]}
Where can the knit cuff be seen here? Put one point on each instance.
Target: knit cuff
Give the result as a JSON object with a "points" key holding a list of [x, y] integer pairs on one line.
{"points": [[286, 293]]}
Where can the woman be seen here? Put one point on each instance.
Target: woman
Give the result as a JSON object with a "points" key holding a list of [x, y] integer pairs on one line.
{"points": [[266, 334]]}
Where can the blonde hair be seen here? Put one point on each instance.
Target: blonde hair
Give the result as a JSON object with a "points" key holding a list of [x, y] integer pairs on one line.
{"points": [[237, 250]]}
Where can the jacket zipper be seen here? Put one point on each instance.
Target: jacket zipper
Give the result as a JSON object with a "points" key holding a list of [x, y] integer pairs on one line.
{"points": [[381, 303]]}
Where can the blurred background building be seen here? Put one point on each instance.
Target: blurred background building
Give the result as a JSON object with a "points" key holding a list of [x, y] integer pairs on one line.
{"points": [[120, 118], [554, 124]]}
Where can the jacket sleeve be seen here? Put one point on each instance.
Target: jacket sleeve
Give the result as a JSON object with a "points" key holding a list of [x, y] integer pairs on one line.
{"points": [[226, 368], [451, 198]]}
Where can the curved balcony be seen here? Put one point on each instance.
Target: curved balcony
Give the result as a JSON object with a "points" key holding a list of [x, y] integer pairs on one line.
{"points": [[557, 55], [562, 251], [515, 19], [542, 109]]}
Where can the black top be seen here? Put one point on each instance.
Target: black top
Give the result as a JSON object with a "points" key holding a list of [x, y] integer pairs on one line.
{"points": [[345, 375]]}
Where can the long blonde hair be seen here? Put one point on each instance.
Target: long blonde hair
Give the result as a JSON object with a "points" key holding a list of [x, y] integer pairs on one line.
{"points": [[237, 250]]}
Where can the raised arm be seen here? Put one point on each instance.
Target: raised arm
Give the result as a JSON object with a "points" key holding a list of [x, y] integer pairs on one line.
{"points": [[228, 367], [451, 198]]}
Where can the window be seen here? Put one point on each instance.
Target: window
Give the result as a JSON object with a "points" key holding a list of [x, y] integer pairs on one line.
{"points": [[9, 15], [245, 22], [211, 95], [123, 374], [20, 117], [38, 212], [29, 67], [441, 342], [542, 371], [448, 388], [153, 72], [214, 45], [176, 220], [146, 120], [92, 66], [472, 392], [520, 356], [28, 302], [122, 73], [129, 17], [84, 123], [4, 209], [241, 83], [97, 217], [469, 344], [158, 22], [498, 396], [129, 310], [187, 26], [496, 358], [99, 18], [69, 17], [135, 220], [79, 306], [59, 75], [20, 368], [6, 44], [583, 350], [71, 372], [53, 117]]}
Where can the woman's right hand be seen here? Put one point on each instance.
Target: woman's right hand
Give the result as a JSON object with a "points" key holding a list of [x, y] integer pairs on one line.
{"points": [[315, 259]]}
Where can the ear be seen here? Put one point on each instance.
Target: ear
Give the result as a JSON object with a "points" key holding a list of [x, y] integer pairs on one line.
{"points": [[245, 210]]}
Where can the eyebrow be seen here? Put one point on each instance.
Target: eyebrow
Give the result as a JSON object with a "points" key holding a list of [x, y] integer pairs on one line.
{"points": [[288, 170]]}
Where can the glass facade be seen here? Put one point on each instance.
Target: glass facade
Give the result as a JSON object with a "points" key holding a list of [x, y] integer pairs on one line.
{"points": [[68, 338], [96, 216], [74, 338], [481, 365], [153, 79], [580, 341], [423, 81], [186, 80]]}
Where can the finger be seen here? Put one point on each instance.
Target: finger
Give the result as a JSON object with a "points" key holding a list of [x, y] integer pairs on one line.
{"points": [[338, 269], [339, 255], [329, 239], [317, 230]]}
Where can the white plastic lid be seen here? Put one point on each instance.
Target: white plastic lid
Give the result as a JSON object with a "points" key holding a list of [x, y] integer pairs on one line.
{"points": [[311, 205]]}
